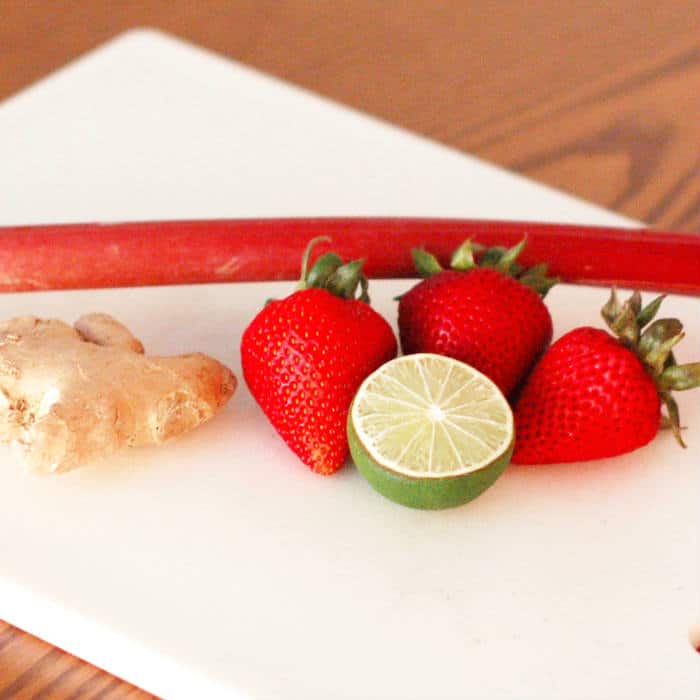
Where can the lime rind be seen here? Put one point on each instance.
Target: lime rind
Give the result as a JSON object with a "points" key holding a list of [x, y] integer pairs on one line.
{"points": [[426, 493]]}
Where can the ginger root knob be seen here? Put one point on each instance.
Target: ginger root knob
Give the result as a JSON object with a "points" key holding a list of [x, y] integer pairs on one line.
{"points": [[71, 395]]}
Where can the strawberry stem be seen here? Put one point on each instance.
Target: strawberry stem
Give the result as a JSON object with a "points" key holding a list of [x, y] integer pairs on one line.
{"points": [[674, 419], [305, 259]]}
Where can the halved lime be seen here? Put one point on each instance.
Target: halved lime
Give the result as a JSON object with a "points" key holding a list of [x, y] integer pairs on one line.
{"points": [[431, 432]]}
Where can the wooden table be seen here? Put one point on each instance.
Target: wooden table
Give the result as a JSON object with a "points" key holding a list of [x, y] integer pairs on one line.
{"points": [[596, 98]]}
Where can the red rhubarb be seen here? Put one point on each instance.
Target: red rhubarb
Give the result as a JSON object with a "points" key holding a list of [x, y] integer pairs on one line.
{"points": [[74, 256]]}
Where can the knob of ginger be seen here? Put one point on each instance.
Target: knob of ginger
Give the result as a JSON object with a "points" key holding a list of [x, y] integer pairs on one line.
{"points": [[72, 395]]}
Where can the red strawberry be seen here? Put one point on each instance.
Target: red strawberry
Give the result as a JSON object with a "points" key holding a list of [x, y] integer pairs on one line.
{"points": [[491, 317], [593, 395], [305, 356]]}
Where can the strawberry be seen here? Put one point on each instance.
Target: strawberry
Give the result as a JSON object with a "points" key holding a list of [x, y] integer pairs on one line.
{"points": [[490, 316], [305, 356], [595, 395]]}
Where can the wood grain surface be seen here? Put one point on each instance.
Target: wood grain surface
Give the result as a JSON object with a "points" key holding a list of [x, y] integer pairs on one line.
{"points": [[596, 98]]}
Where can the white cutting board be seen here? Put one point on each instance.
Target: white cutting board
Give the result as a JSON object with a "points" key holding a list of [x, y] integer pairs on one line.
{"points": [[220, 567]]}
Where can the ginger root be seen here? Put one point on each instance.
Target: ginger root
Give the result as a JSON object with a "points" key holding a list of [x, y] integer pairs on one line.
{"points": [[70, 395]]}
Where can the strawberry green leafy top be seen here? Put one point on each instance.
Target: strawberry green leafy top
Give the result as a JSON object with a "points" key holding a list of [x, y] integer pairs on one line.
{"points": [[652, 341], [471, 255], [330, 273]]}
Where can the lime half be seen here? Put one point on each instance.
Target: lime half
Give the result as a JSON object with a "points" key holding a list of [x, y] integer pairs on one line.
{"points": [[431, 432]]}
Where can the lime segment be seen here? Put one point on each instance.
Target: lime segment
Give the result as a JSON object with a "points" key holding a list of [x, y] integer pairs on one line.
{"points": [[429, 431]]}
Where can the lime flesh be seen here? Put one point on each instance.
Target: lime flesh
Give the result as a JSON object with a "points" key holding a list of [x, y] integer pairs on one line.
{"points": [[430, 432]]}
